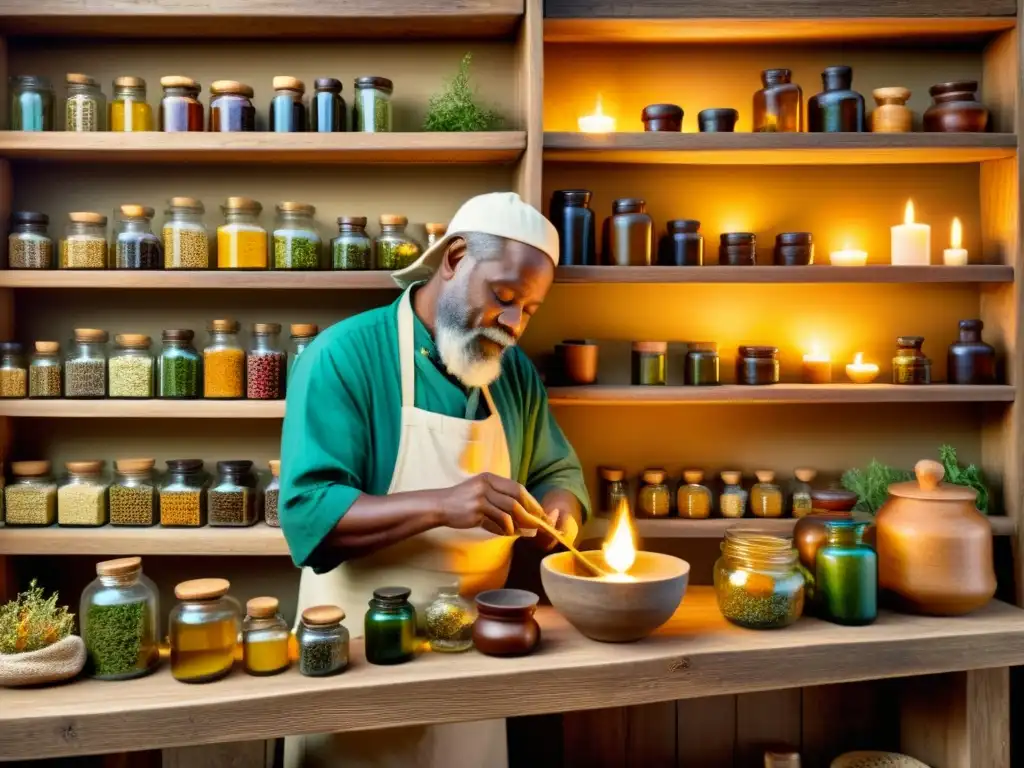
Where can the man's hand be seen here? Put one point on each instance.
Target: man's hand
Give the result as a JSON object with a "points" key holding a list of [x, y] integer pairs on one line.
{"points": [[562, 510], [494, 503]]}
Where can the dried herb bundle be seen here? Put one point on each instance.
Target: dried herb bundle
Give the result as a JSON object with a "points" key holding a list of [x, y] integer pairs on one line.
{"points": [[872, 484], [455, 108], [31, 622]]}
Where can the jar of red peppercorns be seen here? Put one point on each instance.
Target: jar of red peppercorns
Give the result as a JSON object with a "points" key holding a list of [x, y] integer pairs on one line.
{"points": [[265, 363]]}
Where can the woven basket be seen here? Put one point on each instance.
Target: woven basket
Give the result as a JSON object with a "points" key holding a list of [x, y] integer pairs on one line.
{"points": [[876, 760], [60, 661]]}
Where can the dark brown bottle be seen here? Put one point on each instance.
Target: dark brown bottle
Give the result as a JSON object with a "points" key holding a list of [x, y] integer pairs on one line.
{"points": [[971, 360], [839, 108], [779, 105], [627, 234], [682, 245]]}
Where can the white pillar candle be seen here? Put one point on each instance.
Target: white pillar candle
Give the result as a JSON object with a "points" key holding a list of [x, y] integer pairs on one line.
{"points": [[955, 256], [911, 243], [598, 122]]}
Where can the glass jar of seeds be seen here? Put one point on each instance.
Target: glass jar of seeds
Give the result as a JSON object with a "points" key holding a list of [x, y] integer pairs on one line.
{"points": [[265, 637], [85, 241], [120, 620], [394, 249], [449, 621], [186, 241], [133, 494], [352, 248], [46, 371], [183, 494], [654, 499], [758, 581], [231, 501], [323, 641], [31, 496], [371, 108], [29, 246], [241, 241], [179, 367], [82, 496], [302, 336], [131, 366], [765, 495], [265, 365], [297, 244], [13, 373], [223, 362], [733, 501], [272, 495], [85, 367], [85, 107], [31, 104], [135, 245], [801, 502], [128, 109]]}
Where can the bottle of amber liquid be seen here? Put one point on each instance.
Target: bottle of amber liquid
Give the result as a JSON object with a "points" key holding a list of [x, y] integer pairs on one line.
{"points": [[693, 498], [766, 496], [779, 105]]}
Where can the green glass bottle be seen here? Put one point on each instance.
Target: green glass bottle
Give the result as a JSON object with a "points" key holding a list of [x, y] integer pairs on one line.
{"points": [[390, 626], [846, 575]]}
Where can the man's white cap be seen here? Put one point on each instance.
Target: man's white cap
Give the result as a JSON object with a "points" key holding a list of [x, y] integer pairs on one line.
{"points": [[502, 214]]}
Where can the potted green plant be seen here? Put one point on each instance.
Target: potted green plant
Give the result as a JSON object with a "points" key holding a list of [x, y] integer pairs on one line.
{"points": [[456, 108]]}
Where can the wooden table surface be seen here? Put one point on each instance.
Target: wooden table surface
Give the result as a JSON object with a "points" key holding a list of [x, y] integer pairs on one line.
{"points": [[696, 654]]}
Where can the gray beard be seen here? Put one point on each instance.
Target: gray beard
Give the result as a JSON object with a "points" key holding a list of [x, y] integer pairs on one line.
{"points": [[459, 344]]}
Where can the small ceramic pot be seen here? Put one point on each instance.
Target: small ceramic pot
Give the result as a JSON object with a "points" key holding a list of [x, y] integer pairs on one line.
{"points": [[892, 115], [956, 109], [718, 120], [811, 532], [505, 625], [577, 361], [793, 249], [737, 249], [662, 117]]}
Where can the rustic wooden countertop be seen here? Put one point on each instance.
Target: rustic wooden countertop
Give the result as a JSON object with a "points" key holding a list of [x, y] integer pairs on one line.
{"points": [[696, 654]]}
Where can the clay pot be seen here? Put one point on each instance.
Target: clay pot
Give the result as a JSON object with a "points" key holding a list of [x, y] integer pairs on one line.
{"points": [[833, 500], [717, 120], [577, 361], [662, 117], [892, 115], [956, 109], [811, 533], [505, 625], [934, 546]]}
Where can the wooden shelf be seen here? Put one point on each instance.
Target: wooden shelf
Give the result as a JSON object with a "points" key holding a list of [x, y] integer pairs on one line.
{"points": [[498, 147], [227, 279], [144, 409], [778, 148], [157, 711], [822, 273], [806, 394]]}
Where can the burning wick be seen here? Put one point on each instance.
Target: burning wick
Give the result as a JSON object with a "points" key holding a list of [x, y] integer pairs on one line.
{"points": [[619, 549]]}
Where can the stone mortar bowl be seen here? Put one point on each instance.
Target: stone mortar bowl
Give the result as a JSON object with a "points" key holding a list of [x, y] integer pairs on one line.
{"points": [[616, 611]]}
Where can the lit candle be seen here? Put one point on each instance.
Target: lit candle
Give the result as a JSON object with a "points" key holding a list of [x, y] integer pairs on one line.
{"points": [[817, 368], [955, 256], [911, 243], [861, 372], [598, 122], [848, 257]]}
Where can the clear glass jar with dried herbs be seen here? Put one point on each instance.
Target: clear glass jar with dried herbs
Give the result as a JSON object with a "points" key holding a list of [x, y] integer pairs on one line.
{"points": [[352, 248], [133, 493], [13, 371], [29, 245], [800, 495], [371, 107], [85, 241], [135, 245], [131, 367], [46, 371], [297, 244], [203, 631], [82, 495], [31, 496], [323, 641], [185, 237], [272, 495], [85, 366], [758, 581], [265, 637], [179, 367], [394, 249], [183, 494], [85, 106], [449, 621], [231, 500]]}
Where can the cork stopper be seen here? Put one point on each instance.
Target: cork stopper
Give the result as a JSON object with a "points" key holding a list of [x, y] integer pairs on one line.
{"points": [[89, 467], [288, 83], [654, 476], [612, 474], [231, 87], [265, 329], [764, 476], [30, 468], [393, 220], [242, 204], [76, 78], [120, 567], [291, 207], [262, 607], [731, 477], [322, 615], [436, 228], [202, 589], [187, 203], [178, 81], [87, 217], [90, 335], [134, 466], [132, 340], [127, 81], [693, 476], [304, 330], [134, 211], [805, 474], [650, 347], [48, 347], [226, 325]]}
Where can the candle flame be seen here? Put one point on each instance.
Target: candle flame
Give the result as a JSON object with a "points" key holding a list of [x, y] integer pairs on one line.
{"points": [[598, 112], [858, 359], [957, 236], [817, 354], [619, 549], [908, 214]]}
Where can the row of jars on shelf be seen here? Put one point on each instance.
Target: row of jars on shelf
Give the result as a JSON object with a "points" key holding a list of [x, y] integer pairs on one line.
{"points": [[224, 369], [185, 243], [231, 107], [185, 497]]}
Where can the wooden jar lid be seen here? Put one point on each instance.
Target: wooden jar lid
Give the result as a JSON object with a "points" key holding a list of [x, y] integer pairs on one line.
{"points": [[76, 78], [275, 467], [732, 477], [291, 207], [88, 467], [263, 329], [90, 334], [128, 81], [202, 589], [436, 228], [132, 340], [764, 476], [288, 83], [178, 81], [225, 325], [242, 204], [651, 347], [262, 607], [87, 217], [693, 476], [393, 220], [322, 615], [805, 474], [30, 468], [48, 347], [135, 211], [304, 329], [189, 203], [231, 87], [134, 466], [612, 474], [654, 476], [120, 567]]}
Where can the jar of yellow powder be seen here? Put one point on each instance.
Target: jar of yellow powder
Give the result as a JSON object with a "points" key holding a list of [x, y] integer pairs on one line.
{"points": [[224, 362], [264, 638], [241, 241]]}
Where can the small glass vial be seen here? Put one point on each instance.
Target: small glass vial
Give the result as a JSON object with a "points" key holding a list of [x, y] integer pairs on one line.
{"points": [[266, 363], [31, 105], [846, 575], [183, 494], [390, 626], [85, 107], [765, 495], [779, 105], [302, 336], [28, 245], [910, 366], [135, 245], [323, 641], [352, 248], [297, 244], [85, 241], [224, 362], [85, 367], [287, 110], [82, 497], [231, 501], [46, 371], [186, 240], [693, 499], [131, 367], [31, 496], [649, 363], [627, 234], [120, 620], [371, 109], [654, 499], [265, 638], [203, 631], [13, 372], [133, 494], [327, 110], [231, 109], [449, 621], [394, 248], [802, 504], [180, 108], [129, 111], [757, 366], [701, 364], [272, 495], [179, 367], [615, 490], [435, 232], [733, 501], [241, 241]]}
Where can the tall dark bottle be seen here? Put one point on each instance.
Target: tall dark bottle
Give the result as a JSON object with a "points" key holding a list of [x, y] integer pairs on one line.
{"points": [[839, 108], [779, 105], [573, 218]]}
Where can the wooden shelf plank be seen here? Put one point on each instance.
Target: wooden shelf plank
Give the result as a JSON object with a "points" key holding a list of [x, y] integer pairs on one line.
{"points": [[498, 147], [158, 712], [807, 394], [144, 409], [778, 148], [227, 279]]}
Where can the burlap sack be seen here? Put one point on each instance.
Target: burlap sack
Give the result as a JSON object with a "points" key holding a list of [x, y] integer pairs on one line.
{"points": [[60, 661]]}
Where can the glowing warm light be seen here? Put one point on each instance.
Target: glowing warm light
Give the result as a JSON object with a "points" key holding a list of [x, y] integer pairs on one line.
{"points": [[848, 257], [911, 242], [619, 548], [817, 367], [957, 235], [908, 213], [956, 255], [817, 355], [860, 372], [598, 122]]}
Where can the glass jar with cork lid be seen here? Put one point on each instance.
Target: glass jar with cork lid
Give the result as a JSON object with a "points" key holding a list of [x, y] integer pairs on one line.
{"points": [[85, 241], [393, 247], [615, 490], [649, 363], [323, 641], [135, 245], [179, 367], [186, 240], [133, 493], [302, 336], [31, 496], [435, 231], [183, 494], [765, 495], [128, 109], [297, 244], [231, 109], [203, 631], [29, 245], [13, 372], [693, 499], [85, 367], [287, 109], [265, 638], [241, 241], [654, 499], [224, 362], [131, 367], [733, 501], [801, 501], [181, 110], [265, 364], [46, 371], [352, 248], [82, 496], [85, 107]]}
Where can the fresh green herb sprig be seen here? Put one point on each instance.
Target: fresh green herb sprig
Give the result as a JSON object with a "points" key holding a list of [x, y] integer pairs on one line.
{"points": [[455, 109], [872, 484], [969, 476], [32, 622]]}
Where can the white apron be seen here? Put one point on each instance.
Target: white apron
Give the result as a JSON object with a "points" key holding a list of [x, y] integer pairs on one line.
{"points": [[434, 451]]}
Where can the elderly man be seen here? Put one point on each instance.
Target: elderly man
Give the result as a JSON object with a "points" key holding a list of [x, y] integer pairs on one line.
{"points": [[419, 444]]}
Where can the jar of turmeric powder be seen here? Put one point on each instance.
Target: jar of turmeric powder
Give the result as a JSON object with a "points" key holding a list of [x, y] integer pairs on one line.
{"points": [[224, 362], [241, 240], [264, 638]]}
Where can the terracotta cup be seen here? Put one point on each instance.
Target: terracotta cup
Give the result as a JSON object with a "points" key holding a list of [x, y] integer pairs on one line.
{"points": [[577, 361], [505, 625]]}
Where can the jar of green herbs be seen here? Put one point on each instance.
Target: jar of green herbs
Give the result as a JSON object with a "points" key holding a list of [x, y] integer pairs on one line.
{"points": [[393, 247], [297, 244], [179, 367], [323, 641], [352, 248], [371, 110], [119, 618]]}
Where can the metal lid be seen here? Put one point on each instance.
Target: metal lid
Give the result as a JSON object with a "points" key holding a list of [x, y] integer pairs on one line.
{"points": [[910, 342], [661, 112], [651, 347], [184, 466], [120, 567], [30, 468], [31, 81], [304, 330], [296, 208], [794, 238], [265, 329], [392, 594], [572, 196], [327, 84], [683, 225], [88, 467], [221, 87], [322, 615], [781, 75], [74, 78], [393, 220], [178, 81], [90, 335], [29, 217], [127, 81], [10, 348], [738, 238], [132, 340], [134, 466], [929, 486], [352, 221], [226, 325], [288, 83], [242, 204], [87, 217], [628, 205], [262, 607], [48, 347], [178, 334], [234, 466], [702, 347], [202, 589], [380, 83]]}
